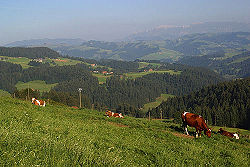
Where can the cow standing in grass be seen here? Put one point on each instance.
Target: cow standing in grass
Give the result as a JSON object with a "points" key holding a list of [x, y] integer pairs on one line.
{"points": [[228, 134], [112, 114], [196, 121], [38, 102]]}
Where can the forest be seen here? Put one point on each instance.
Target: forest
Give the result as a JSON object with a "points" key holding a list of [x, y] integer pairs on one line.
{"points": [[216, 61], [226, 100], [116, 92], [32, 52], [224, 104]]}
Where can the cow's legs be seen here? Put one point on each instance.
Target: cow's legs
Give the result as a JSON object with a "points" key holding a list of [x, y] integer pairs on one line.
{"points": [[185, 128], [197, 133]]}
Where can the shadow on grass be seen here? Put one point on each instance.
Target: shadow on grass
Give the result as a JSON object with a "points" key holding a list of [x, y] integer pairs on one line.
{"points": [[181, 130]]}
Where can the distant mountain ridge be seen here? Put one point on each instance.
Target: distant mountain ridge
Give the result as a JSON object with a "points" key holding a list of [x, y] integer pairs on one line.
{"points": [[164, 32], [45, 42]]}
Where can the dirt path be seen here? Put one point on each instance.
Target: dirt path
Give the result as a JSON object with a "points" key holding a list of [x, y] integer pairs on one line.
{"points": [[117, 124]]}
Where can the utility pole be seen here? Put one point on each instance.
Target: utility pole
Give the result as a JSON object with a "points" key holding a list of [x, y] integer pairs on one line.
{"points": [[80, 97], [161, 114], [28, 91]]}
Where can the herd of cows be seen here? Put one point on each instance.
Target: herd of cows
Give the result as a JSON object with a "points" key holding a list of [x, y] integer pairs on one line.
{"points": [[188, 119]]}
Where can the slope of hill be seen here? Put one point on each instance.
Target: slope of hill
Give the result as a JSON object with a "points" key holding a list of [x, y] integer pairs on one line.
{"points": [[228, 65], [45, 42], [109, 50], [227, 104], [164, 32], [63, 136], [4, 93], [32, 53], [134, 89]]}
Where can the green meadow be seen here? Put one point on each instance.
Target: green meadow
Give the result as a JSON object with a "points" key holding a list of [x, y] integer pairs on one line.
{"points": [[4, 93], [23, 61], [163, 54], [157, 102], [37, 85], [63, 61], [140, 74], [145, 64], [101, 78], [63, 136]]}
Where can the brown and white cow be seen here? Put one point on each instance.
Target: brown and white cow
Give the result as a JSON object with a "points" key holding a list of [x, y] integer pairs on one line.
{"points": [[112, 114], [228, 134], [196, 121], [38, 102]]}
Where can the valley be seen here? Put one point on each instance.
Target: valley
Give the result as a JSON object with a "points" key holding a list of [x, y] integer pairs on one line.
{"points": [[60, 135]]}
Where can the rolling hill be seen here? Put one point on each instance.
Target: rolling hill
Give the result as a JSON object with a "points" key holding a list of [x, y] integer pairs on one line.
{"points": [[63, 136], [226, 52], [164, 32], [45, 42], [226, 103]]}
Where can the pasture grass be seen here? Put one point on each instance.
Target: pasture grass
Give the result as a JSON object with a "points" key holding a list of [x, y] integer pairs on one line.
{"points": [[63, 136], [157, 102], [145, 64], [63, 61], [102, 78], [134, 75], [163, 54], [23, 61], [4, 93], [37, 85]]}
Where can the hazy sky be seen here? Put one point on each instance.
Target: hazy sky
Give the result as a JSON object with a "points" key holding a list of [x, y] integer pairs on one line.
{"points": [[108, 19]]}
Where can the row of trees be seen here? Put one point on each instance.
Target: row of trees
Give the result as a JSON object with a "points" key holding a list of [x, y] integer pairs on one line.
{"points": [[237, 65], [225, 104], [31, 53]]}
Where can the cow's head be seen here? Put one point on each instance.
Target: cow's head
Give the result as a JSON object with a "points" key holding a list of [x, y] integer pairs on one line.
{"points": [[236, 136], [208, 132], [121, 116], [108, 112], [33, 99]]}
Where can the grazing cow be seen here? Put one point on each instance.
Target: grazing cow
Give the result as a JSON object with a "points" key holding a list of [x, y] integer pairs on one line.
{"points": [[38, 102], [112, 114], [228, 134], [196, 121]]}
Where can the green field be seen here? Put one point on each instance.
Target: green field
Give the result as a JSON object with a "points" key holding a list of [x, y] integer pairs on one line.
{"points": [[163, 54], [4, 93], [23, 61], [63, 61], [37, 85], [140, 74], [63, 136], [101, 78], [157, 102], [145, 64]]}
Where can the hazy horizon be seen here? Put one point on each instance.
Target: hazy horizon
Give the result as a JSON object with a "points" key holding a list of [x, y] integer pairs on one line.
{"points": [[108, 20]]}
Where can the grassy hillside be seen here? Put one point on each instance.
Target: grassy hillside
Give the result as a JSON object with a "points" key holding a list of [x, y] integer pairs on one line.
{"points": [[140, 74], [37, 85], [62, 136], [156, 103], [4, 93], [24, 61]]}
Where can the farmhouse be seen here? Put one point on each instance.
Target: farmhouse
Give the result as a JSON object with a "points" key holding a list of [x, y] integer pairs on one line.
{"points": [[38, 60]]}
